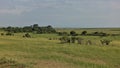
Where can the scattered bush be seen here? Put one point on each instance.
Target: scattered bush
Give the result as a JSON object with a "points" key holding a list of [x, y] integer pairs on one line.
{"points": [[62, 33], [73, 39], [2, 34], [65, 39], [88, 42], [79, 40], [105, 41], [9, 63], [27, 35], [9, 34]]}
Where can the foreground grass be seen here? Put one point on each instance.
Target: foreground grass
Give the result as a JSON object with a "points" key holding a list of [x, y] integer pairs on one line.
{"points": [[39, 52]]}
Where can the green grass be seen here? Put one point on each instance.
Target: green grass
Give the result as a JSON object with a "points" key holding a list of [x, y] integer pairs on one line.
{"points": [[39, 52]]}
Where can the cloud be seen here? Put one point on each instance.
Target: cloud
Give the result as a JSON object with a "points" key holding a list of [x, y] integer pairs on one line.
{"points": [[14, 11], [22, 0], [115, 4], [21, 6], [14, 7], [60, 11]]}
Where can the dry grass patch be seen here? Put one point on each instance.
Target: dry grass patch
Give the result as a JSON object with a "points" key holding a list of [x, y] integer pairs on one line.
{"points": [[117, 43], [6, 42], [51, 64], [9, 63]]}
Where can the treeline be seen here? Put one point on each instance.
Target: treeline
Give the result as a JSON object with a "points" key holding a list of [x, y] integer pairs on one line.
{"points": [[85, 33], [35, 28]]}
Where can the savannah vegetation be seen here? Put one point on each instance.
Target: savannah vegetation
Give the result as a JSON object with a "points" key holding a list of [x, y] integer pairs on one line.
{"points": [[47, 47]]}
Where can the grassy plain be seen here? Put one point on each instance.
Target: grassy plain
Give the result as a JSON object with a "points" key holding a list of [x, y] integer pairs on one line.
{"points": [[39, 52]]}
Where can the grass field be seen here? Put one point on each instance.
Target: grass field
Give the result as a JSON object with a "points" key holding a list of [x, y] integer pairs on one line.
{"points": [[39, 52]]}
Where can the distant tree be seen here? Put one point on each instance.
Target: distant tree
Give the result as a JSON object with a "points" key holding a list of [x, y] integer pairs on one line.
{"points": [[17, 29], [96, 33], [73, 33], [103, 34], [84, 33], [63, 34], [9, 29], [50, 29], [49, 26], [2, 34], [27, 29], [35, 25], [9, 34], [35, 28]]}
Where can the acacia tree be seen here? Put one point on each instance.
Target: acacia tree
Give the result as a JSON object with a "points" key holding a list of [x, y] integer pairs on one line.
{"points": [[73, 33], [84, 33]]}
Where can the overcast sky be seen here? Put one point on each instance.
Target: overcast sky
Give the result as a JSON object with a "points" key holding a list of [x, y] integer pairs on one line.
{"points": [[60, 13]]}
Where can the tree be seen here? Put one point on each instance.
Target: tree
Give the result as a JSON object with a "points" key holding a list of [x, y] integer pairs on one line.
{"points": [[84, 33], [27, 29], [35, 27], [95, 33], [50, 29], [73, 33], [9, 29], [63, 34]]}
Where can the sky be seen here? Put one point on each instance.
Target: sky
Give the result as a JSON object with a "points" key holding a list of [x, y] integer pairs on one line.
{"points": [[60, 13]]}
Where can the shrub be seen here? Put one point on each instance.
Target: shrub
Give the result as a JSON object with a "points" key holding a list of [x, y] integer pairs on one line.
{"points": [[27, 35], [63, 34], [73, 39], [9, 34], [79, 40], [65, 39], [2, 34], [105, 41], [10, 63]]}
